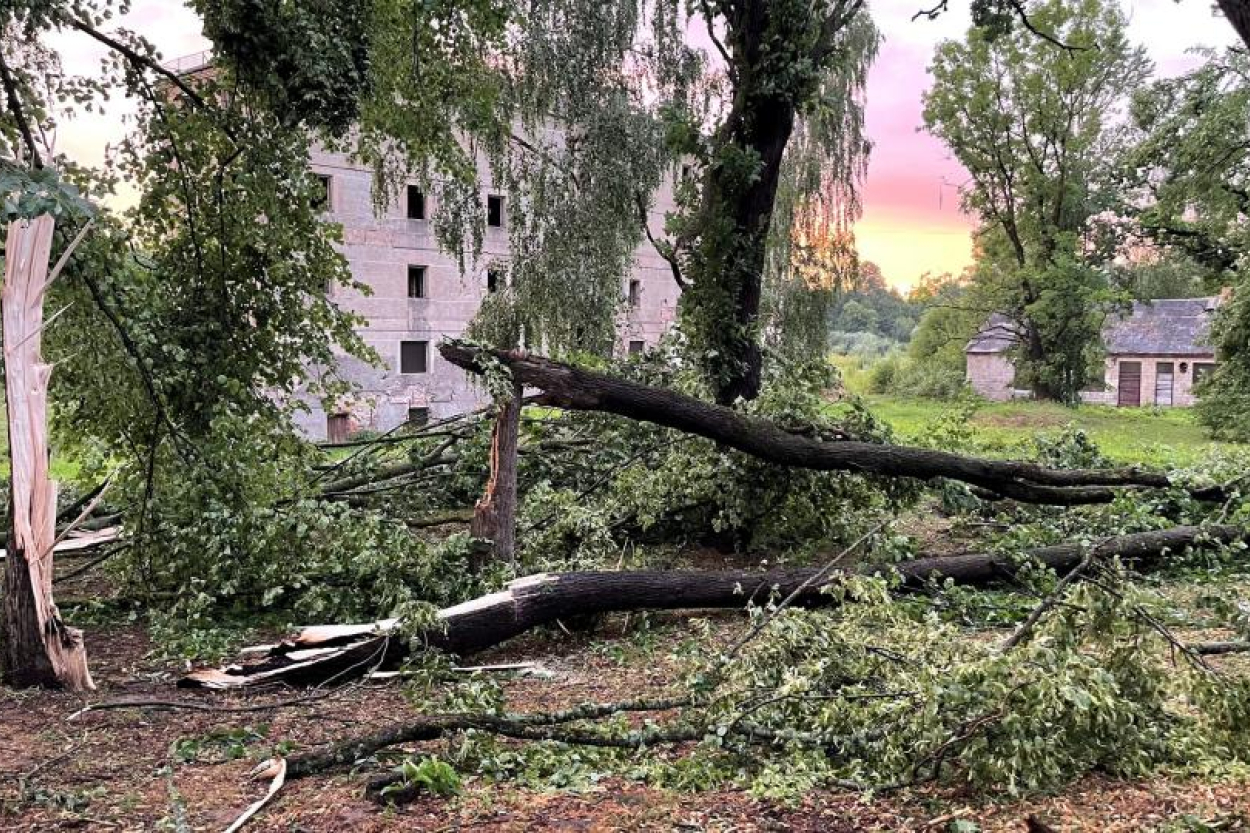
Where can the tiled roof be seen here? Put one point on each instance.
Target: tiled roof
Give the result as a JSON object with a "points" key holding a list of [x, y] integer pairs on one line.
{"points": [[1166, 326], [998, 334]]}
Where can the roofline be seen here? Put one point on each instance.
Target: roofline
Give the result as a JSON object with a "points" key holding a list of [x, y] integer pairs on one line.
{"points": [[1165, 355]]}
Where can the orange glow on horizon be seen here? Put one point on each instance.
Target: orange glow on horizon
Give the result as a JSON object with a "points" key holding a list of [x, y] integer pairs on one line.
{"points": [[905, 247]]}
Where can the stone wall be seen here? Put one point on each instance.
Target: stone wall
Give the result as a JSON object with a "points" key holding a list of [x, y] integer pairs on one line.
{"points": [[380, 249], [992, 375], [1182, 379]]}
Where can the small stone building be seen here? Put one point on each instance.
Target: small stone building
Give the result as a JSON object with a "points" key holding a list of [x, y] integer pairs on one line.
{"points": [[1154, 355]]}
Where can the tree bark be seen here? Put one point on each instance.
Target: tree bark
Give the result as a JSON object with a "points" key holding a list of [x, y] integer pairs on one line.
{"points": [[728, 237], [494, 516], [39, 649], [1238, 14], [565, 386], [320, 652]]}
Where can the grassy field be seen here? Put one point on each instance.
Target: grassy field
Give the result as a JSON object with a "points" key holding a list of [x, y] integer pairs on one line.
{"points": [[1163, 437]]}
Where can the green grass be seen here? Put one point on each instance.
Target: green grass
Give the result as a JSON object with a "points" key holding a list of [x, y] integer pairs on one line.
{"points": [[1159, 437]]}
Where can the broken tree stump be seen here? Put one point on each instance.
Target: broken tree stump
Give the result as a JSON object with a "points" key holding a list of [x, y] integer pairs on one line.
{"points": [[39, 648]]}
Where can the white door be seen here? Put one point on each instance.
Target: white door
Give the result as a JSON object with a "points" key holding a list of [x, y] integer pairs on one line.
{"points": [[1163, 383]]}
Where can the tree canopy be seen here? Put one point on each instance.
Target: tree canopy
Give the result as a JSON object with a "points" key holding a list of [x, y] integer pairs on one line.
{"points": [[1031, 123]]}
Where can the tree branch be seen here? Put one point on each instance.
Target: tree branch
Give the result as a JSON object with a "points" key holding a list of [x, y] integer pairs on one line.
{"points": [[136, 59], [19, 116], [662, 248], [565, 386], [1019, 9]]}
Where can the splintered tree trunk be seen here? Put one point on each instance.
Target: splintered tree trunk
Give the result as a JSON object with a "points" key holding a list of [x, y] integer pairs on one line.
{"points": [[39, 649], [494, 516]]}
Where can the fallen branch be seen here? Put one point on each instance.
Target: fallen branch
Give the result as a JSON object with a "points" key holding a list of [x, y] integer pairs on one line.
{"points": [[431, 727], [565, 386], [1211, 649], [320, 651]]}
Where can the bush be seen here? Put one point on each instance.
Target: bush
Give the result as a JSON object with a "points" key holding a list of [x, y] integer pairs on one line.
{"points": [[861, 344], [902, 376]]}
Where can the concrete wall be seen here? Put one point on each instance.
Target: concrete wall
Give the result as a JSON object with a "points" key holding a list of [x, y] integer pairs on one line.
{"points": [[992, 375], [379, 250]]}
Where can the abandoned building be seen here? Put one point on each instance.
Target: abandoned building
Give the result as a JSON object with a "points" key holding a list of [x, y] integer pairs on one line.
{"points": [[1155, 354], [420, 296]]}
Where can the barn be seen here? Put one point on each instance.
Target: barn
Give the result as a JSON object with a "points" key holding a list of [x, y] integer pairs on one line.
{"points": [[1155, 354]]}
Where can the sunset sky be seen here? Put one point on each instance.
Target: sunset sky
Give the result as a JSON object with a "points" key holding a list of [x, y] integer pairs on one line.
{"points": [[911, 223]]}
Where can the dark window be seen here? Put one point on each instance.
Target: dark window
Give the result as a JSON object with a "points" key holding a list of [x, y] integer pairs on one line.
{"points": [[635, 293], [321, 199], [416, 203], [418, 416], [1202, 370], [494, 280], [338, 427], [416, 281], [494, 210], [414, 356], [636, 347]]}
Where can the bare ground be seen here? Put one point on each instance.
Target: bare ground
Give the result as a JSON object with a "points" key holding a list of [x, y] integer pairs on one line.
{"points": [[115, 770]]}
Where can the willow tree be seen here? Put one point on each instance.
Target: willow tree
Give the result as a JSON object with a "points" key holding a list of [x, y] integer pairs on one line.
{"points": [[579, 111], [1030, 122]]}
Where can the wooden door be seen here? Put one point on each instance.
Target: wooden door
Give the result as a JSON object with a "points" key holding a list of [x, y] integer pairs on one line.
{"points": [[1164, 374], [338, 428], [1129, 395]]}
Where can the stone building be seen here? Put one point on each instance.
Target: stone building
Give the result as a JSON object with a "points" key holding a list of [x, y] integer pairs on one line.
{"points": [[1155, 354], [419, 297]]}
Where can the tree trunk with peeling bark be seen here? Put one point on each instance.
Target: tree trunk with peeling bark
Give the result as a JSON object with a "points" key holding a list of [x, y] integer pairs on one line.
{"points": [[494, 516], [39, 648]]}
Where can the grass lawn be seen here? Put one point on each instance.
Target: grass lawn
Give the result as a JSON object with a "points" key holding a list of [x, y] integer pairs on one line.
{"points": [[1162, 437]]}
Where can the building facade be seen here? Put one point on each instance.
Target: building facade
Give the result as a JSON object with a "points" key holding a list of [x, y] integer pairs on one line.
{"points": [[1155, 354], [420, 297]]}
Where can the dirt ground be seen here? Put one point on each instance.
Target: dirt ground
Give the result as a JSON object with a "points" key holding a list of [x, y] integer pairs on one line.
{"points": [[128, 769]]}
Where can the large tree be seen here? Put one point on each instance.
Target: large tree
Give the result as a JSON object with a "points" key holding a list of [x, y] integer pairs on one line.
{"points": [[579, 110], [631, 100], [1030, 121], [174, 327], [1186, 182]]}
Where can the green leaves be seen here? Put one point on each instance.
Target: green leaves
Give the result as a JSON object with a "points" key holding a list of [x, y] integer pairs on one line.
{"points": [[1033, 125], [427, 774], [29, 193]]}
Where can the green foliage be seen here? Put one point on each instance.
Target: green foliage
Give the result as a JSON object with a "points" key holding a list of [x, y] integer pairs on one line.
{"points": [[427, 774], [1184, 181], [310, 61], [218, 745], [30, 193], [648, 486], [1031, 123], [900, 375], [871, 317]]}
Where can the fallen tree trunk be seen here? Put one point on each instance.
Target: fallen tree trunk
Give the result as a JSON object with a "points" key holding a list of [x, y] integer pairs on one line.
{"points": [[565, 386], [320, 652]]}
